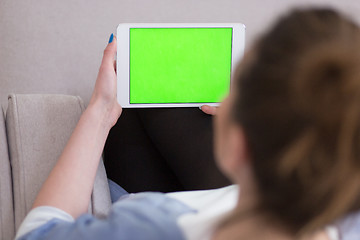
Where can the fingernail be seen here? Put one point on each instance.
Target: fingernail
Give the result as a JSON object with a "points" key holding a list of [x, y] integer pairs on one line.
{"points": [[111, 38]]}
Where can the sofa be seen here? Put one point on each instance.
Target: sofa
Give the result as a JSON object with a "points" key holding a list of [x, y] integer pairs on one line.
{"points": [[34, 130]]}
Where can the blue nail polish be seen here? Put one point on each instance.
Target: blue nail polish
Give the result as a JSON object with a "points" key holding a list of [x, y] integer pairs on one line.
{"points": [[111, 38]]}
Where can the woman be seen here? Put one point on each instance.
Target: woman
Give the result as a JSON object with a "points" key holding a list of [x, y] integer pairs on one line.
{"points": [[288, 134]]}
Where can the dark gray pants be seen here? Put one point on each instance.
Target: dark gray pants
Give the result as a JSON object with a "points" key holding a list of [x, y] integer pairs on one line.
{"points": [[164, 149]]}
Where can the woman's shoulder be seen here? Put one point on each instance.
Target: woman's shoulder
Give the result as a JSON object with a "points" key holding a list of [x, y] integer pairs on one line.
{"points": [[136, 216]]}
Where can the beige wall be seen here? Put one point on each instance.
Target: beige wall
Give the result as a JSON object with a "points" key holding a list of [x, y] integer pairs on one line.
{"points": [[56, 46]]}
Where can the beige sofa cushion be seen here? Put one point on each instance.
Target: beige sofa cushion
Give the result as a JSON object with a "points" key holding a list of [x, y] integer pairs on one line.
{"points": [[38, 128], [7, 229]]}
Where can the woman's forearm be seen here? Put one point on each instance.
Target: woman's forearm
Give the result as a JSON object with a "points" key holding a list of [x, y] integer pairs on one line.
{"points": [[70, 183]]}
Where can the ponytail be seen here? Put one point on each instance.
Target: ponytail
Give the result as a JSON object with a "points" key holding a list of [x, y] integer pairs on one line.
{"points": [[299, 105]]}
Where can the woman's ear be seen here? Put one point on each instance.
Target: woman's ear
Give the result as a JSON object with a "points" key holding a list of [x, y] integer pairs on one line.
{"points": [[238, 155]]}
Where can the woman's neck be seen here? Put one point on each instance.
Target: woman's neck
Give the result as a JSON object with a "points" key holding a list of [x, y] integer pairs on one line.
{"points": [[251, 228], [253, 225], [247, 222]]}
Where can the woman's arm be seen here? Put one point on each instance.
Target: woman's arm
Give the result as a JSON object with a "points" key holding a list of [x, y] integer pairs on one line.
{"points": [[70, 183]]}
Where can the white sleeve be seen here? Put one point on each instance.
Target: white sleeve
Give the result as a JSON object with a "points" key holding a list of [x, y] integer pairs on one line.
{"points": [[212, 207], [39, 216], [332, 232]]}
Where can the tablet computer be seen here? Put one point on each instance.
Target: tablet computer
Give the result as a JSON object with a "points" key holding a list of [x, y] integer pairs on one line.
{"points": [[176, 64]]}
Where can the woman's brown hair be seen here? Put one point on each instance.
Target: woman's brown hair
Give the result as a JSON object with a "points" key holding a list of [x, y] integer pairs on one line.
{"points": [[298, 101]]}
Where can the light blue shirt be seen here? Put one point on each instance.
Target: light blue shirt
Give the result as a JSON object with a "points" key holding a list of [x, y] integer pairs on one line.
{"points": [[143, 216], [150, 216]]}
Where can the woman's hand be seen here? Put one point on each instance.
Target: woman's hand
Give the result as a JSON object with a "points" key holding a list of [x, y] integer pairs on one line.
{"points": [[104, 94], [209, 109]]}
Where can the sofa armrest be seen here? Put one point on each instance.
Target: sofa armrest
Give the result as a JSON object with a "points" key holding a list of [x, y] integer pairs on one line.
{"points": [[38, 128], [7, 228]]}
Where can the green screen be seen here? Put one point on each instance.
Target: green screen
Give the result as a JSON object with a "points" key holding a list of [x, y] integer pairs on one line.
{"points": [[179, 65]]}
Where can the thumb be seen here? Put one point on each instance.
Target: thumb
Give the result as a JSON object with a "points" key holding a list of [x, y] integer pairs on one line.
{"points": [[209, 109], [109, 53]]}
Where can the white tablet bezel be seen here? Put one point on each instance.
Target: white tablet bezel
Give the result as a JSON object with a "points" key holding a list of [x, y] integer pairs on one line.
{"points": [[123, 30]]}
